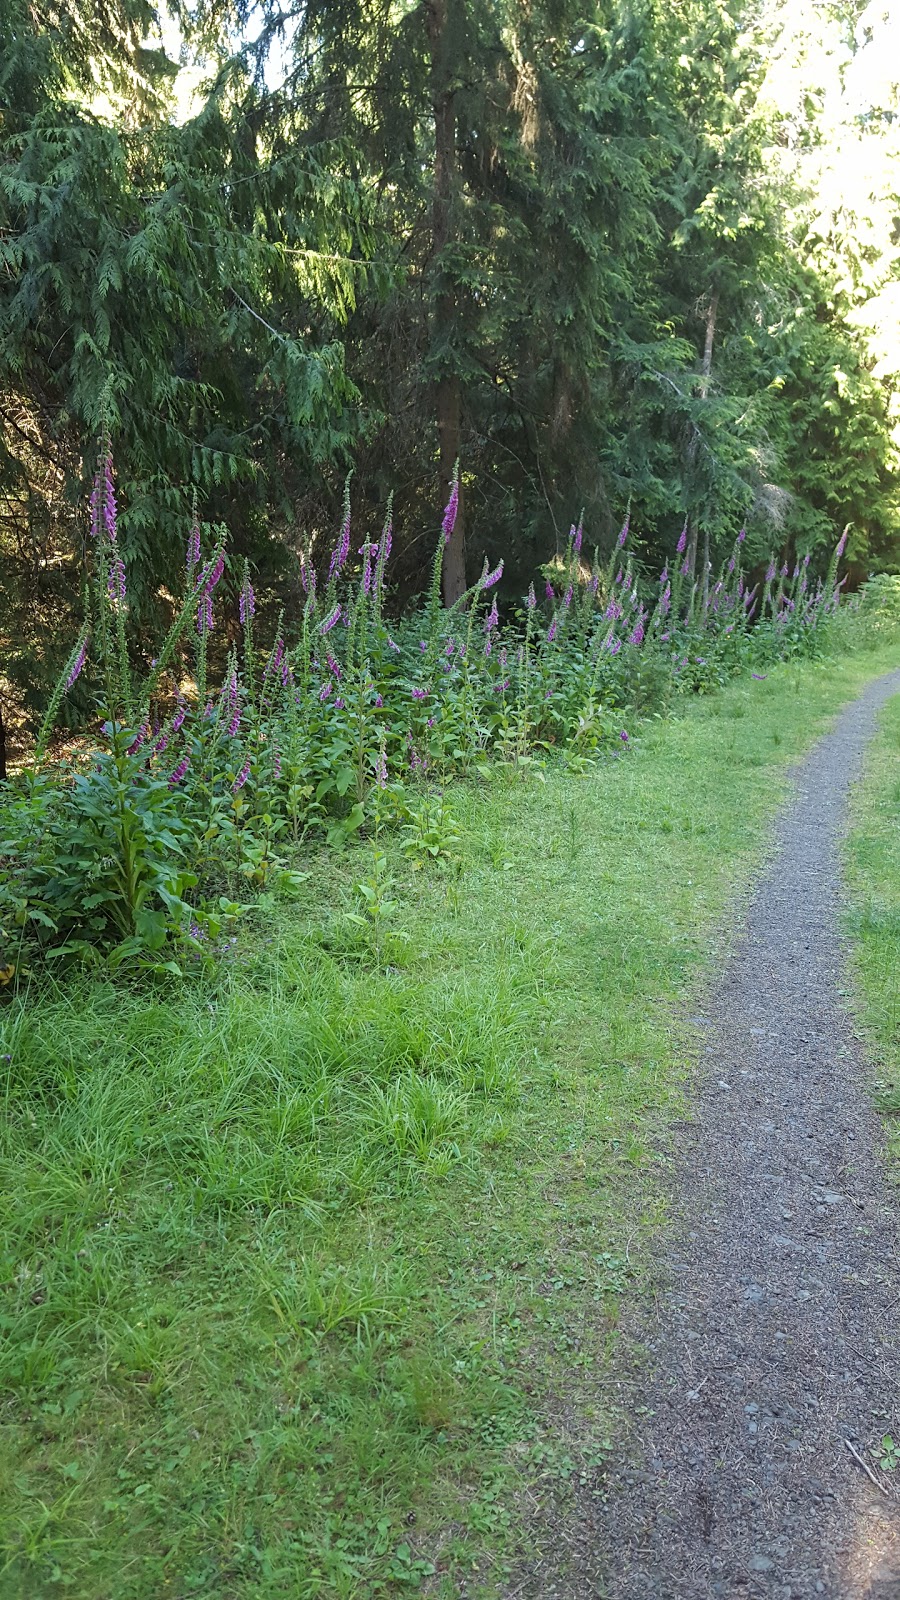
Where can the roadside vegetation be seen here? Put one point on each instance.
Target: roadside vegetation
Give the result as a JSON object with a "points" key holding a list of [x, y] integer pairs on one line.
{"points": [[313, 1256]]}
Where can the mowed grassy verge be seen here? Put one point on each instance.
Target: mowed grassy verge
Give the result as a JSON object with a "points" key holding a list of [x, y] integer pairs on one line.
{"points": [[873, 922], [305, 1267]]}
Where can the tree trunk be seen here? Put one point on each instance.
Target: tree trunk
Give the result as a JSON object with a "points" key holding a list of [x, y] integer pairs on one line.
{"points": [[693, 530], [448, 393]]}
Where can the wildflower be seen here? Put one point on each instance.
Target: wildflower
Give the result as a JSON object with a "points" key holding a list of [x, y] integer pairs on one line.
{"points": [[179, 716], [619, 575], [420, 694], [594, 584], [664, 576], [276, 765], [179, 772], [325, 691], [115, 580], [623, 736], [242, 776], [636, 635], [208, 711], [579, 536], [331, 620], [806, 559], [624, 533], [685, 567], [78, 663], [842, 544], [381, 773], [551, 631], [796, 571], [430, 722], [770, 572], [682, 542], [161, 745], [731, 563], [567, 598], [332, 665], [548, 590], [742, 535], [612, 612], [502, 687], [492, 619], [342, 549], [387, 539], [784, 570], [339, 705], [392, 645], [759, 676], [491, 578], [423, 645], [247, 601], [193, 546], [379, 701], [449, 522], [450, 646], [613, 645], [235, 722], [138, 740]]}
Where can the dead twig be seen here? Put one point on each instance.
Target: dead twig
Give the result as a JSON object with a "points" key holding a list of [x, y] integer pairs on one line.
{"points": [[865, 1466]]}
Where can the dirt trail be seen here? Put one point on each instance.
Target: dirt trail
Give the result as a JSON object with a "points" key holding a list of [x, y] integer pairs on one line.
{"points": [[774, 1338]]}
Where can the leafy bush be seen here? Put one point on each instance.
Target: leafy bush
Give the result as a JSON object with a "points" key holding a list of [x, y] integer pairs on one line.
{"points": [[143, 851]]}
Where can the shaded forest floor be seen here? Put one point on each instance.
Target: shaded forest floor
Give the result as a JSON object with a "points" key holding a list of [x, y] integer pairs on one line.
{"points": [[313, 1269]]}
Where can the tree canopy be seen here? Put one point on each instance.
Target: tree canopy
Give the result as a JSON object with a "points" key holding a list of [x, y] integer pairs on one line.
{"points": [[622, 254]]}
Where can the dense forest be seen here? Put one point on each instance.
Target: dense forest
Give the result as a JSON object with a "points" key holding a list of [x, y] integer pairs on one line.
{"points": [[608, 256]]}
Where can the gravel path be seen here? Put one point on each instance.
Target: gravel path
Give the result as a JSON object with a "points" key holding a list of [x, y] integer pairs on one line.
{"points": [[773, 1339]]}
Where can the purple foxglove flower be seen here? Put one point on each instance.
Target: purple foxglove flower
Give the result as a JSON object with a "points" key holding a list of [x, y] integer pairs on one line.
{"points": [[784, 570], [420, 694], [387, 539], [685, 567], [742, 535], [235, 722], [579, 536], [325, 691], [806, 559], [392, 645], [796, 571], [449, 522], [731, 563], [381, 772], [623, 736], [613, 645], [179, 716], [449, 647], [612, 612], [548, 590], [115, 579], [423, 645], [339, 705], [193, 548], [664, 576], [770, 572], [492, 619], [842, 544], [594, 584], [331, 620], [247, 602], [78, 663], [491, 578], [242, 777], [567, 598], [620, 576], [276, 765], [487, 645], [682, 542], [624, 533], [332, 665], [179, 772], [551, 631], [138, 740], [379, 701]]}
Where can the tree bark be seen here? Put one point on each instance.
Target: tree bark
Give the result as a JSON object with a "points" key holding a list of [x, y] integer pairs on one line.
{"points": [[705, 375], [448, 390]]}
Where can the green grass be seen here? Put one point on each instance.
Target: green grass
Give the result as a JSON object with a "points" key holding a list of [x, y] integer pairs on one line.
{"points": [[873, 870], [312, 1271]]}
